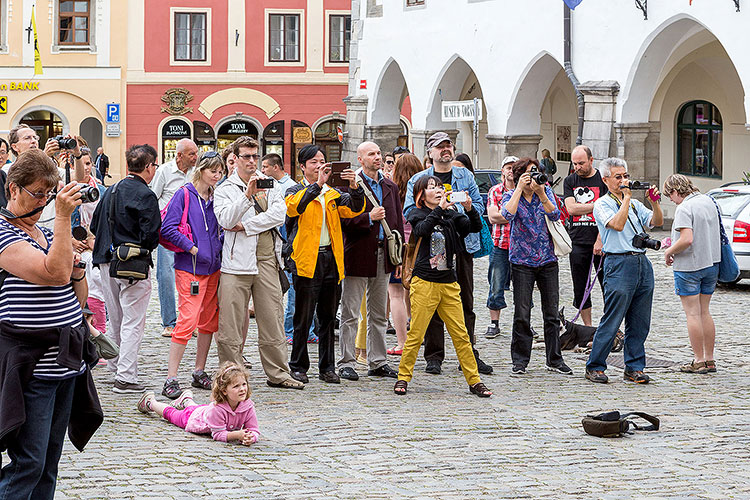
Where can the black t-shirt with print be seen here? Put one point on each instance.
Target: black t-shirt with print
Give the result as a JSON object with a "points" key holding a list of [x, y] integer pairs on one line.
{"points": [[582, 228], [446, 178]]}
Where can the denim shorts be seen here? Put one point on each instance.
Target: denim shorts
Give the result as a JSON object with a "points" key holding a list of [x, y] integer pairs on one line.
{"points": [[702, 281]]}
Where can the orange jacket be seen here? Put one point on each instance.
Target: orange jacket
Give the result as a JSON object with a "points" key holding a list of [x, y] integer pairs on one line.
{"points": [[306, 221]]}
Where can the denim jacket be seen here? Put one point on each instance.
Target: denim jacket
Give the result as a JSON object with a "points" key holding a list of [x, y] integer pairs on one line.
{"points": [[462, 180]]}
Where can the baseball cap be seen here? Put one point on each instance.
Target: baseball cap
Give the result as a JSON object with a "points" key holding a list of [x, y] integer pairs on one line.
{"points": [[509, 159], [437, 138]]}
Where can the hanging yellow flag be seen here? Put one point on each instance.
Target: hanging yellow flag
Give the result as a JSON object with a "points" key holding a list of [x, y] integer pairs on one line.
{"points": [[37, 57]]}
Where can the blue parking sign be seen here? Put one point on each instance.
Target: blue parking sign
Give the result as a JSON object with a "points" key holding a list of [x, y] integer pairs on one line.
{"points": [[113, 113]]}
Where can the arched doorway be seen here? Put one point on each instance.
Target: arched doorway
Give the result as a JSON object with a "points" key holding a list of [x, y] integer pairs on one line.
{"points": [[273, 139], [387, 126], [46, 124], [203, 136], [171, 132], [91, 130], [231, 130], [327, 137]]}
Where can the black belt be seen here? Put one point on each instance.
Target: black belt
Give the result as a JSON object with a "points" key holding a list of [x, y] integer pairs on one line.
{"points": [[326, 248], [625, 253], [381, 243]]}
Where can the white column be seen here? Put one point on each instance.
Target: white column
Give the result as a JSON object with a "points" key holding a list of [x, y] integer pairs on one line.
{"points": [[102, 32], [136, 34], [315, 34], [237, 24]]}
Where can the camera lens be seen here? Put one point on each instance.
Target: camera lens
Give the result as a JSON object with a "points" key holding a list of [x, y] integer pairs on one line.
{"points": [[89, 194], [65, 143]]}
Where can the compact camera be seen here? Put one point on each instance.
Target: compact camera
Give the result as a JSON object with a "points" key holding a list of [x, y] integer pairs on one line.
{"points": [[65, 143], [264, 183], [195, 288], [643, 240], [537, 176]]}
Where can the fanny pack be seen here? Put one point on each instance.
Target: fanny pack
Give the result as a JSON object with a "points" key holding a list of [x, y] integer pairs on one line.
{"points": [[615, 424], [130, 262]]}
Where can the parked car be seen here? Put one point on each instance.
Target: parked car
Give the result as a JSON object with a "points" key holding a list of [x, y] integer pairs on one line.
{"points": [[734, 202], [485, 180]]}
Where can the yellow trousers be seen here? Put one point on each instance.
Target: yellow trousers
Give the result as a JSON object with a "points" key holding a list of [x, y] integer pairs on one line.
{"points": [[426, 298]]}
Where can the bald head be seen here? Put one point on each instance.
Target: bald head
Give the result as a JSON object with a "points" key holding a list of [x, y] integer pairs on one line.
{"points": [[583, 161], [187, 154], [368, 155]]}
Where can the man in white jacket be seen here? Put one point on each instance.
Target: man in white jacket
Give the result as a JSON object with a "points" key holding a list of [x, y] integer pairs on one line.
{"points": [[250, 264]]}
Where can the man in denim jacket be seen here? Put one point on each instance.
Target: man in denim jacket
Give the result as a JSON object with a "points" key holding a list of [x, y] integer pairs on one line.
{"points": [[441, 151]]}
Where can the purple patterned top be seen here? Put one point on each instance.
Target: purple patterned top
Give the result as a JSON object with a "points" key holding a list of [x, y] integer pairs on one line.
{"points": [[530, 242]]}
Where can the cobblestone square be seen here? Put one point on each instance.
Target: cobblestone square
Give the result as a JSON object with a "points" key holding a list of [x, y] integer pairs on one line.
{"points": [[359, 440]]}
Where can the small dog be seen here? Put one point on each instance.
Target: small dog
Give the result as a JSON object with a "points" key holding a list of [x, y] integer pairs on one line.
{"points": [[573, 335]]}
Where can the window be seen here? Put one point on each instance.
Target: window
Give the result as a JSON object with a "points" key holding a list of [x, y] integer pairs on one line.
{"points": [[339, 37], [410, 3], [284, 38], [73, 24], [190, 36], [699, 145]]}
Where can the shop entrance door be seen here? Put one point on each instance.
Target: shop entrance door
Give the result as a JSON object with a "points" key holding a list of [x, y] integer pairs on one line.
{"points": [[46, 124]]}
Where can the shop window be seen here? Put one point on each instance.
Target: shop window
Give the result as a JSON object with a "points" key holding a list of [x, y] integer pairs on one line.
{"points": [[232, 130], [46, 124], [340, 33], [327, 137], [284, 37], [190, 36], [699, 140], [273, 139], [171, 133], [74, 22], [203, 136], [301, 136], [411, 3]]}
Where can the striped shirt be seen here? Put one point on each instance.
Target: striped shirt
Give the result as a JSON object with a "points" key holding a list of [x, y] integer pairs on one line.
{"points": [[27, 305]]}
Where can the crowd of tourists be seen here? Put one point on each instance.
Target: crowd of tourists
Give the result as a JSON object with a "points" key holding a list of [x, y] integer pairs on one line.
{"points": [[387, 245]]}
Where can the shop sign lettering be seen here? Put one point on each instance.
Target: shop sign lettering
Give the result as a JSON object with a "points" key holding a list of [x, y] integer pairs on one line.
{"points": [[19, 86]]}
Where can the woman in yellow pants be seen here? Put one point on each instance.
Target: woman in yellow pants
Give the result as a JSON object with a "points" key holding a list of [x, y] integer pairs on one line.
{"points": [[434, 287]]}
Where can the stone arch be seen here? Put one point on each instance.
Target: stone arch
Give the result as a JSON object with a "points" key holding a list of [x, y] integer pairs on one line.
{"points": [[41, 107], [391, 90], [448, 87], [529, 94], [239, 96]]}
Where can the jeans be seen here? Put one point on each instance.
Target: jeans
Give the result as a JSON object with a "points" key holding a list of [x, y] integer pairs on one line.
{"points": [[628, 293], [166, 284], [289, 311], [546, 278], [498, 276], [35, 452]]}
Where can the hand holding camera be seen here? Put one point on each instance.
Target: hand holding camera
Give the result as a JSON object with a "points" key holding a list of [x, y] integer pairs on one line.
{"points": [[252, 187], [539, 177], [324, 172], [67, 199]]}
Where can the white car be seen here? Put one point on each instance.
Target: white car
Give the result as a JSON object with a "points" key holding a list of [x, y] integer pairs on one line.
{"points": [[734, 201]]}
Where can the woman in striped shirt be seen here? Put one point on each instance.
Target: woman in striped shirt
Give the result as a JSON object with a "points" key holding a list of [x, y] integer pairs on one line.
{"points": [[41, 291]]}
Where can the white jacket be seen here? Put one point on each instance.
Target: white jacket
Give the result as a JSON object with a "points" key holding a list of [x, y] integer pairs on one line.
{"points": [[231, 207]]}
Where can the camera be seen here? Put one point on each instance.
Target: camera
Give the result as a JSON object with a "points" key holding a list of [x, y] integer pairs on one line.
{"points": [[456, 197], [65, 143], [639, 185], [643, 240], [195, 288], [537, 176], [89, 194], [264, 183]]}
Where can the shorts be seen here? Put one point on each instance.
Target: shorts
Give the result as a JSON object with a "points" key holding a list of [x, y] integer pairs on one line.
{"points": [[702, 281]]}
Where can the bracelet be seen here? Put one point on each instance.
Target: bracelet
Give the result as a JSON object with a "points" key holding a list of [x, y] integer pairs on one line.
{"points": [[78, 157], [79, 279]]}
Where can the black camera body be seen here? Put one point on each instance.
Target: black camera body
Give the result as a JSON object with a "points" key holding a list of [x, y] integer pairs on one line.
{"points": [[639, 185], [264, 183], [65, 143], [643, 240], [537, 176], [89, 194]]}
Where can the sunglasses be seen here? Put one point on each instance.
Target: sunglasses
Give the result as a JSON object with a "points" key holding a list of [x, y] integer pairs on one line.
{"points": [[209, 154], [248, 157], [400, 149], [389, 162]]}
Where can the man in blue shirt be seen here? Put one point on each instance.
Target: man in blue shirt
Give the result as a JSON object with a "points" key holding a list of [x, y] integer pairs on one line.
{"points": [[628, 275], [442, 152]]}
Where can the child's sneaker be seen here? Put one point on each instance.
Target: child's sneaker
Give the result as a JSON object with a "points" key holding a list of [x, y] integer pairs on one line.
{"points": [[143, 405], [201, 380], [184, 400]]}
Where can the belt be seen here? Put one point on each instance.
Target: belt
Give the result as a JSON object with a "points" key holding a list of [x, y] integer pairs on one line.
{"points": [[326, 248], [625, 253], [381, 243]]}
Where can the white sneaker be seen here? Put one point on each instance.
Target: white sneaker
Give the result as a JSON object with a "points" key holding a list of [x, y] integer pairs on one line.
{"points": [[143, 402], [181, 402]]}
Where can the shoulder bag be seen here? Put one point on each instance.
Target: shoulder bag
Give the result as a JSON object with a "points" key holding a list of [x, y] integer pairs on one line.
{"points": [[615, 424], [183, 228], [393, 238], [729, 271], [129, 261], [283, 281], [409, 260], [485, 237], [560, 237]]}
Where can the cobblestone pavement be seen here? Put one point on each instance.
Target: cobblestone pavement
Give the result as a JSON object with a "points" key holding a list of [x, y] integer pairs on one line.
{"points": [[359, 440]]}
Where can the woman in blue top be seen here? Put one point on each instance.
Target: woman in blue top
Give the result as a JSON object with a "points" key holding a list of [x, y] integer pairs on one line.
{"points": [[532, 258]]}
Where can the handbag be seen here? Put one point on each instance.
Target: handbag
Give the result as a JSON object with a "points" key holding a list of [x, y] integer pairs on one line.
{"points": [[283, 280], [729, 270], [560, 237], [182, 228], [393, 238], [486, 241], [615, 424], [409, 260]]}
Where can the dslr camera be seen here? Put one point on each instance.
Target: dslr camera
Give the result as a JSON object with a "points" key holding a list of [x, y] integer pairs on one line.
{"points": [[89, 194], [65, 143], [537, 176], [643, 240]]}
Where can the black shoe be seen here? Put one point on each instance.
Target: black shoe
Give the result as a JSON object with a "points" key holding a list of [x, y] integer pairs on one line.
{"points": [[636, 376], [389, 329], [433, 367], [483, 367], [492, 332], [597, 376], [518, 370], [330, 377], [348, 373], [300, 376], [128, 387], [561, 368], [383, 371]]}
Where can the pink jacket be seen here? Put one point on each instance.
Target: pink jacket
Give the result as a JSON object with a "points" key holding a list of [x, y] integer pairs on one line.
{"points": [[219, 419]]}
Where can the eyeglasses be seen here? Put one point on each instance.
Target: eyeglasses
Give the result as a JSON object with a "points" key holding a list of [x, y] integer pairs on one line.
{"points": [[30, 138], [209, 154], [248, 157], [39, 196], [622, 176]]}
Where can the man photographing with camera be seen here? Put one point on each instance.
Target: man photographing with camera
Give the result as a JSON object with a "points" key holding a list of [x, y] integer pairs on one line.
{"points": [[628, 274]]}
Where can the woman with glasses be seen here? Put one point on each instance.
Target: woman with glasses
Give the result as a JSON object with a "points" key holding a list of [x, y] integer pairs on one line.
{"points": [[197, 269], [45, 356]]}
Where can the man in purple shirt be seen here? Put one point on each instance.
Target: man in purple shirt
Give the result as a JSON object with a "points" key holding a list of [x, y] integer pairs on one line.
{"points": [[532, 259]]}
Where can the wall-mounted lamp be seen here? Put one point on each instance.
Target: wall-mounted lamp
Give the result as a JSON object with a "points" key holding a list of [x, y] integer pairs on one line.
{"points": [[236, 37]]}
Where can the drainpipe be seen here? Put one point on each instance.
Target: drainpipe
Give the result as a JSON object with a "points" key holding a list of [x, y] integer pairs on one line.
{"points": [[571, 75]]}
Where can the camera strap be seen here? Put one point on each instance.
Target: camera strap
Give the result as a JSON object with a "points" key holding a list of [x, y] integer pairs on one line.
{"points": [[619, 204], [10, 215], [194, 258]]}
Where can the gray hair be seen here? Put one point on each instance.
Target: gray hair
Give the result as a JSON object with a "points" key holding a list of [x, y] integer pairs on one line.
{"points": [[183, 145], [606, 165]]}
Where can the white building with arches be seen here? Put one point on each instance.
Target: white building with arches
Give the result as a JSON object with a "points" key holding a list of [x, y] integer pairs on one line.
{"points": [[666, 93]]}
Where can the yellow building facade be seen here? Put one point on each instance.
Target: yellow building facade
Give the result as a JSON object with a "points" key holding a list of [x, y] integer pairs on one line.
{"points": [[83, 49]]}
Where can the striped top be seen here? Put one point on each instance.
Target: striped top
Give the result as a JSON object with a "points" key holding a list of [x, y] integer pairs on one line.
{"points": [[27, 305]]}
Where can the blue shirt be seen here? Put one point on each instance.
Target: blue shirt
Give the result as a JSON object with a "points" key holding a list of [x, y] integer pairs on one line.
{"points": [[613, 241], [377, 189], [530, 243]]}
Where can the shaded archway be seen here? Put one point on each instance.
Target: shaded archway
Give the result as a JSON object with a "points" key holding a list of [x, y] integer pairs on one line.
{"points": [[385, 126]]}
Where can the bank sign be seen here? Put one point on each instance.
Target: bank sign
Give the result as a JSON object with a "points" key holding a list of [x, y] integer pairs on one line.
{"points": [[461, 111]]}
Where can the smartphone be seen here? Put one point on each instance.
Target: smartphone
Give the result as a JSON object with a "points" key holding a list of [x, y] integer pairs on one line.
{"points": [[264, 183], [335, 179], [457, 197]]}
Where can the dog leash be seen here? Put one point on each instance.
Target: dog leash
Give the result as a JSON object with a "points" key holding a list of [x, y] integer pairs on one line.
{"points": [[589, 286]]}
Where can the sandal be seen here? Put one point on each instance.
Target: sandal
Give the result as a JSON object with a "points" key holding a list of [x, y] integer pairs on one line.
{"points": [[395, 351], [711, 366], [480, 390], [400, 387], [694, 367]]}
